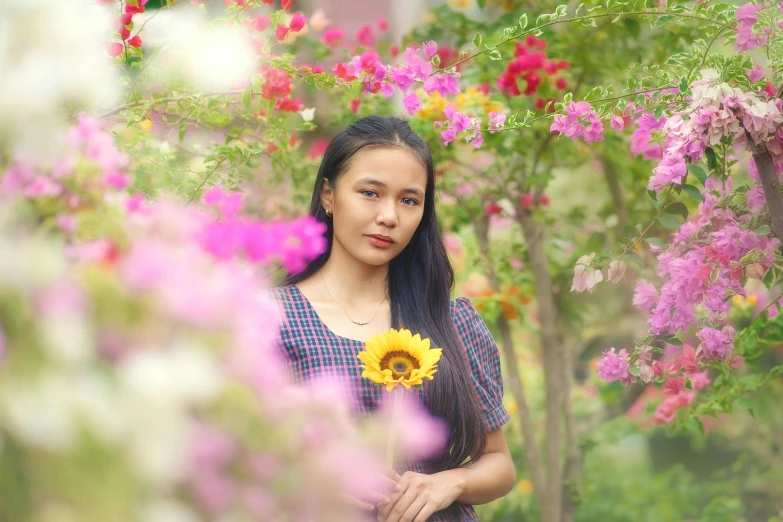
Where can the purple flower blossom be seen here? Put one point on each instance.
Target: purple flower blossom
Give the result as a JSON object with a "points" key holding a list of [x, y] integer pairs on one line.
{"points": [[717, 344], [613, 366], [412, 103]]}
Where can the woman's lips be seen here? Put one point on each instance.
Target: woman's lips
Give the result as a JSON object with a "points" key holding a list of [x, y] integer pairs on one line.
{"points": [[380, 241]]}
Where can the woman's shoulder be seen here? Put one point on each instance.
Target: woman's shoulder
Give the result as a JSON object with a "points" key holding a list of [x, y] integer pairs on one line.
{"points": [[462, 308]]}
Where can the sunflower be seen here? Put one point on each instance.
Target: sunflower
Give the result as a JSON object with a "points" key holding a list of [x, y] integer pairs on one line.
{"points": [[399, 357]]}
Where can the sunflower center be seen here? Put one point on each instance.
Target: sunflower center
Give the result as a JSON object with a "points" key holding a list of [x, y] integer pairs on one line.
{"points": [[400, 363]]}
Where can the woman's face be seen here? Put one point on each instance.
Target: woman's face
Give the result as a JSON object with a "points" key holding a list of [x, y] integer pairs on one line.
{"points": [[377, 205]]}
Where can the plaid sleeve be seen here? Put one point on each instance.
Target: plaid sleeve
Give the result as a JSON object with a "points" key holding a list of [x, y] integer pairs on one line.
{"points": [[484, 362]]}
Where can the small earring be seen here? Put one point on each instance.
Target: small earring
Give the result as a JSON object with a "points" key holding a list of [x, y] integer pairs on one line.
{"points": [[328, 214]]}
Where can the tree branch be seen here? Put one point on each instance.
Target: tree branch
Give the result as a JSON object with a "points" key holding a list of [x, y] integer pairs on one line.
{"points": [[770, 184]]}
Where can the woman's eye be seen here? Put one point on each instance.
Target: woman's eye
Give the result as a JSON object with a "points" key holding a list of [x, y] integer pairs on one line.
{"points": [[409, 201], [368, 193]]}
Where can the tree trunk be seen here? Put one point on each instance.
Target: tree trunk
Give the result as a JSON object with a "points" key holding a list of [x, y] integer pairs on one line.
{"points": [[514, 382], [557, 388], [616, 191], [770, 184]]}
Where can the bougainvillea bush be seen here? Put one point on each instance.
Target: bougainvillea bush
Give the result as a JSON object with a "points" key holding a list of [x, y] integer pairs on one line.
{"points": [[142, 185]]}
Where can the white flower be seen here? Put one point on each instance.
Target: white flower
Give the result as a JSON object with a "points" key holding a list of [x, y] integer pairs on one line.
{"points": [[51, 52], [308, 114], [68, 337], [41, 412], [616, 271]]}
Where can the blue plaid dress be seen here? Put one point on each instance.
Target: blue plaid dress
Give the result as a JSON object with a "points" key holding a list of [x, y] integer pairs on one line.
{"points": [[312, 349]]}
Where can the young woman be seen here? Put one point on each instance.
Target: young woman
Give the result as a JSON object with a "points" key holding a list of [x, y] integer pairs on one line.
{"points": [[385, 266]]}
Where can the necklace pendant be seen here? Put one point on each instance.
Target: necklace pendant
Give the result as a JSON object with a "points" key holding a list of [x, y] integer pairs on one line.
{"points": [[359, 323]]}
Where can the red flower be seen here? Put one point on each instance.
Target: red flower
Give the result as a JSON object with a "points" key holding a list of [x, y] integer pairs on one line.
{"points": [[286, 4], [281, 32], [126, 19], [261, 22], [543, 200], [298, 22], [493, 209], [124, 33], [561, 84], [527, 200], [114, 49], [355, 104], [135, 41]]}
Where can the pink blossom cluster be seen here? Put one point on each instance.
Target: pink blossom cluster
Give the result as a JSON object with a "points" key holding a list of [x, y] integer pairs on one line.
{"points": [[716, 111], [580, 120], [459, 122], [746, 39], [87, 137]]}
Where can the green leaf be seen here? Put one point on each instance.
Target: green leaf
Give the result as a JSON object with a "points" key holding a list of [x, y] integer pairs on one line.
{"points": [[763, 230], [494, 54], [683, 84], [698, 172], [656, 241], [246, 98], [669, 222], [182, 130], [654, 198], [693, 192], [589, 22], [630, 231], [436, 60], [481, 3], [663, 20], [523, 21], [712, 161], [477, 40], [677, 208], [633, 258], [657, 113]]}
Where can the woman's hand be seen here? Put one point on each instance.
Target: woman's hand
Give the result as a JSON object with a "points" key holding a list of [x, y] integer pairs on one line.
{"points": [[378, 494], [422, 495]]}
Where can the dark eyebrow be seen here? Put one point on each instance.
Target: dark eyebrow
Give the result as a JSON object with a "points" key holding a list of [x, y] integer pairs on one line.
{"points": [[376, 183]]}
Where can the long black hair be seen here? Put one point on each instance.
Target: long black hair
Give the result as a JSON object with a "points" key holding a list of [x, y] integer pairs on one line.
{"points": [[419, 284]]}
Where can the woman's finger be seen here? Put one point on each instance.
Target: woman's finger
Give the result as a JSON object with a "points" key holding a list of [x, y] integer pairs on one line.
{"points": [[356, 503], [413, 510]]}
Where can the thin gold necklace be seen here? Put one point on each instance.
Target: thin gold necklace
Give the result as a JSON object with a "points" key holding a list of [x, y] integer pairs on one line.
{"points": [[360, 323]]}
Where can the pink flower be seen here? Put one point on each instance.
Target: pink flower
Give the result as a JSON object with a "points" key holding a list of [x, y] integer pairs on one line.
{"points": [[422, 435], [717, 344], [746, 17], [443, 84], [756, 73], [281, 32], [496, 121], [613, 366], [585, 276], [448, 136], [42, 186], [332, 37], [66, 222], [430, 48], [412, 103], [382, 24], [210, 448], [616, 271], [699, 380], [365, 36], [229, 204], [645, 296], [617, 123], [297, 22]]}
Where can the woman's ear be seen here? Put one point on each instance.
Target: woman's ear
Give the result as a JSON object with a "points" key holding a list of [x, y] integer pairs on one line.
{"points": [[327, 196]]}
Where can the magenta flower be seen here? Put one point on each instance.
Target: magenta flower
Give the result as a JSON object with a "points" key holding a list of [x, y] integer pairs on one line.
{"points": [[496, 121], [412, 103], [613, 366], [448, 136], [443, 84], [717, 344], [756, 73], [430, 48]]}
